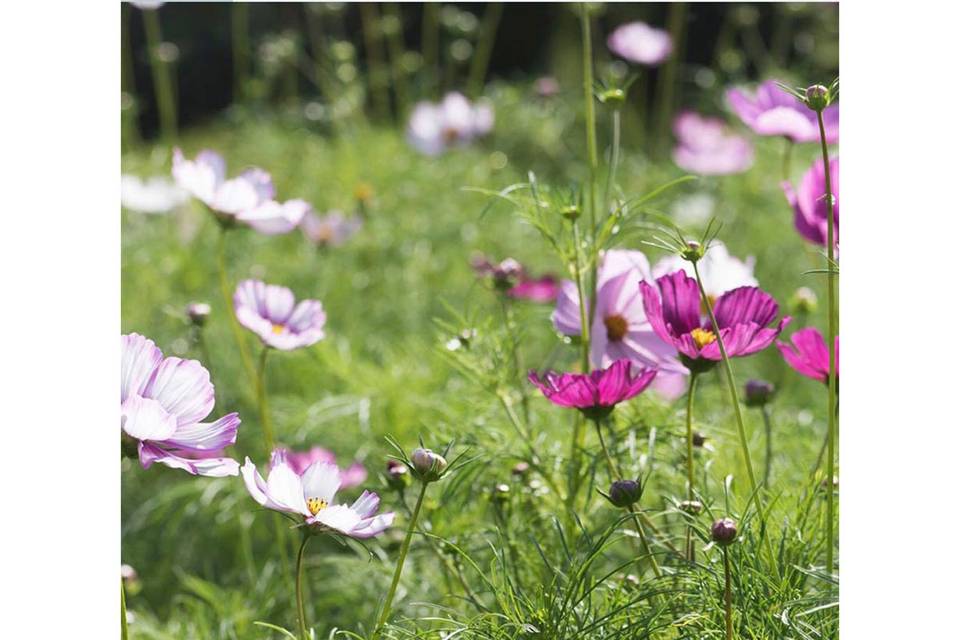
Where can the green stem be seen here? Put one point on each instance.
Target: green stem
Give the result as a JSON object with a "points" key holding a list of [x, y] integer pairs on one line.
{"points": [[690, 474], [240, 41], [481, 58], [371, 37], [677, 25], [385, 612], [787, 157], [831, 339], [727, 594], [124, 632], [228, 307], [614, 160], [590, 118], [301, 615], [162, 83], [265, 421], [576, 443], [767, 427], [395, 50], [430, 44]]}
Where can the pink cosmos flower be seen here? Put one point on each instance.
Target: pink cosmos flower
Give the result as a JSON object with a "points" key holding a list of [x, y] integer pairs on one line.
{"points": [[597, 393], [310, 495], [248, 198], [742, 317], [156, 194], [639, 42], [707, 147], [542, 289], [774, 112], [332, 229], [719, 269], [808, 355], [162, 403], [271, 312], [300, 461], [620, 328], [434, 128], [810, 203]]}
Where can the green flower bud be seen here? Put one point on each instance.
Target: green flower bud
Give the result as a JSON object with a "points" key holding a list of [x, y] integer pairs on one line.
{"points": [[818, 97], [428, 465]]}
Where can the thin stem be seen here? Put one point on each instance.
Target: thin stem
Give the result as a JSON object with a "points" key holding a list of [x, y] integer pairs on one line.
{"points": [[831, 340], [769, 433], [677, 25], [481, 59], [124, 633], [590, 122], [371, 37], [301, 615], [430, 43], [395, 50], [576, 443], [690, 474], [240, 41], [162, 83], [614, 159], [727, 594], [787, 156], [228, 307], [265, 421], [385, 612]]}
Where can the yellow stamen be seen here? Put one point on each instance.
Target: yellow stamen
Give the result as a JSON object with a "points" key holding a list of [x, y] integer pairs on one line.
{"points": [[315, 505], [702, 337], [277, 329]]}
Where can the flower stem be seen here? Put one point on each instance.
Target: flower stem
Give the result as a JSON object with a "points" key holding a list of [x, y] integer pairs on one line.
{"points": [[576, 443], [370, 23], [481, 59], [124, 633], [430, 44], [590, 116], [240, 44], [614, 159], [690, 474], [228, 307], [727, 595], [769, 433], [385, 612], [162, 82], [301, 615], [831, 340], [265, 422]]}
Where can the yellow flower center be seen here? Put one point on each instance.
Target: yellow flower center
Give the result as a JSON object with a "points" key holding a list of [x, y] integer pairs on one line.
{"points": [[277, 329], [702, 337], [616, 327], [315, 505]]}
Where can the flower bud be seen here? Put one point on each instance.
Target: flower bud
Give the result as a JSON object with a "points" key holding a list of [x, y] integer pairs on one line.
{"points": [[398, 475], [724, 531], [693, 507], [818, 97], [693, 251], [546, 87], [612, 97], [758, 392], [429, 465], [570, 212], [699, 439], [198, 312], [803, 301], [501, 492], [624, 493], [520, 469]]}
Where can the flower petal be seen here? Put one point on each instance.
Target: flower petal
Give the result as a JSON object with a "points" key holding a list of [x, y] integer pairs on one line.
{"points": [[210, 467], [184, 389], [139, 357], [146, 419], [321, 480], [206, 436]]}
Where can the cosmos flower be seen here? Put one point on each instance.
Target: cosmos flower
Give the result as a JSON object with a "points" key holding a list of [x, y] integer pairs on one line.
{"points": [[434, 128], [311, 494], [742, 317], [774, 112], [719, 270], [300, 461], [248, 198], [271, 312], [504, 274], [707, 147], [162, 403], [153, 195], [807, 354], [639, 42], [332, 229], [810, 204], [542, 289], [620, 328], [597, 393]]}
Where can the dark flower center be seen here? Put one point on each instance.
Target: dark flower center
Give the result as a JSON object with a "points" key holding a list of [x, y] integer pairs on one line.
{"points": [[616, 327], [449, 135]]}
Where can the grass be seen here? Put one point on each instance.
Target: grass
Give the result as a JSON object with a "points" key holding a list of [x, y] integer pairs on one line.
{"points": [[514, 564]]}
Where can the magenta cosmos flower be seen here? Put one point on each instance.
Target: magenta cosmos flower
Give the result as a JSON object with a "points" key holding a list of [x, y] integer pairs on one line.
{"points": [[597, 393], [271, 312], [300, 461], [742, 317], [620, 328], [331, 230], [774, 112], [808, 354], [639, 42], [162, 403], [720, 270], [810, 205], [248, 198], [310, 494], [434, 128], [543, 289], [706, 146]]}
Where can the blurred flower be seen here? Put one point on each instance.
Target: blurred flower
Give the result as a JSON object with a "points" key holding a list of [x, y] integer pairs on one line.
{"points": [[719, 270], [332, 229], [162, 401], [546, 86], [620, 326], [774, 112], [300, 461], [398, 474], [724, 531], [807, 354], [198, 312], [147, 4], [639, 42], [153, 195], [311, 495], [594, 394], [693, 210], [707, 147], [504, 274], [810, 204], [803, 300], [758, 392], [273, 218], [742, 316], [434, 128], [542, 289], [271, 312]]}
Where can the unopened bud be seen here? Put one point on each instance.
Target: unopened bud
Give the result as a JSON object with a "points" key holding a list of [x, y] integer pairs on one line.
{"points": [[501, 492], [612, 97], [198, 312], [398, 475], [520, 469], [758, 392], [803, 301], [818, 97], [429, 465], [624, 493], [693, 251], [693, 507], [699, 439], [724, 531], [570, 212]]}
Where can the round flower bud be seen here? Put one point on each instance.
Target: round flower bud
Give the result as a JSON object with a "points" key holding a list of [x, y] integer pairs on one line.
{"points": [[692, 507], [758, 392], [613, 97], [198, 312], [398, 475], [699, 439], [624, 493], [818, 97], [693, 251], [570, 212], [724, 531], [428, 465], [501, 492], [520, 469], [803, 301]]}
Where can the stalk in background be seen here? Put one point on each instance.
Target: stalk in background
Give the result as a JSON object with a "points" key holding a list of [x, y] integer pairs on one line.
{"points": [[162, 77], [240, 45], [481, 57], [370, 20]]}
